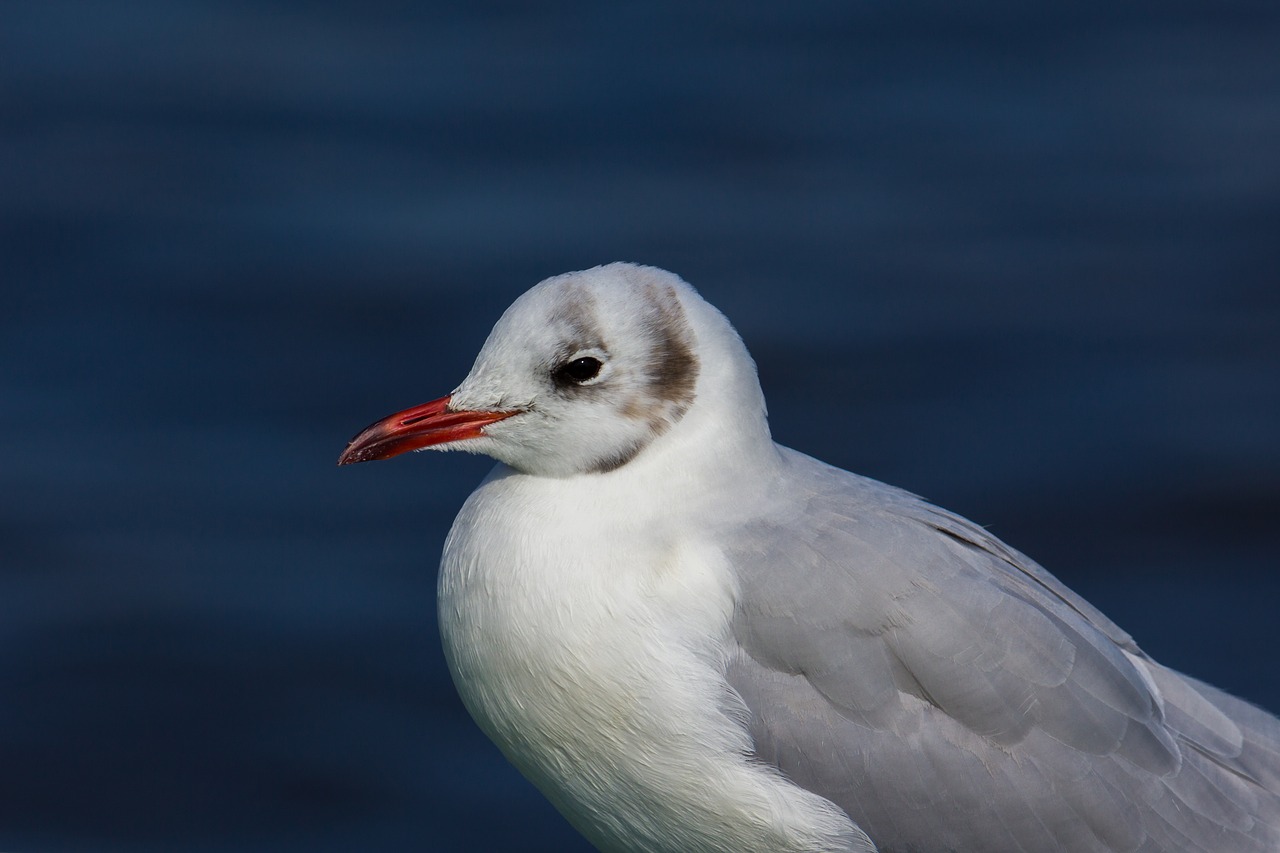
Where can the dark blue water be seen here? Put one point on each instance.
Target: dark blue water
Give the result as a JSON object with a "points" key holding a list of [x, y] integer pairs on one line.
{"points": [[1023, 259]]}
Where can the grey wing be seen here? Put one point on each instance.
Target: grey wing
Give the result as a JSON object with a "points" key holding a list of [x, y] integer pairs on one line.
{"points": [[950, 694]]}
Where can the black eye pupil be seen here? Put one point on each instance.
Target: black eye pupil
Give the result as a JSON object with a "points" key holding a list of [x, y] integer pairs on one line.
{"points": [[579, 370]]}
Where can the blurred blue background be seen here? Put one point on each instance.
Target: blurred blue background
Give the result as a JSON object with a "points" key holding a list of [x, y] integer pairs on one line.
{"points": [[1023, 259]]}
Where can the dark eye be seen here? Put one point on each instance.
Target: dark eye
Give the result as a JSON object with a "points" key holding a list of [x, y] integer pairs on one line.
{"points": [[578, 371]]}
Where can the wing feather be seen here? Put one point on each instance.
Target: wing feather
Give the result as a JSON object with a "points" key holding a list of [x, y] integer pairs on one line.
{"points": [[949, 693]]}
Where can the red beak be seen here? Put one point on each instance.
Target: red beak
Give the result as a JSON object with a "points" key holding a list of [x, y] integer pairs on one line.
{"points": [[422, 426]]}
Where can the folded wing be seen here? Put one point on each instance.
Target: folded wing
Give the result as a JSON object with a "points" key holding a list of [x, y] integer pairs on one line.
{"points": [[949, 693]]}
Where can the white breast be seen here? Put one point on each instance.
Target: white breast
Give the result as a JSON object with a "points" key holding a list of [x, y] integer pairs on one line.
{"points": [[591, 648]]}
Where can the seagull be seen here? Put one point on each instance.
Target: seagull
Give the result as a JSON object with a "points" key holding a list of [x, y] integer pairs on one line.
{"points": [[690, 638]]}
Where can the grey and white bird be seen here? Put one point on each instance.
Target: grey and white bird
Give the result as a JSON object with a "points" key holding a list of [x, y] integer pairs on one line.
{"points": [[693, 639]]}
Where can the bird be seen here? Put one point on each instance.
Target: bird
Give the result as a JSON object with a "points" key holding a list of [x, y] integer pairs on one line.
{"points": [[691, 638]]}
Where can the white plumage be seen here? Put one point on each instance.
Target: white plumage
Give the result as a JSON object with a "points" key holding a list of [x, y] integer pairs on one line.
{"points": [[691, 639]]}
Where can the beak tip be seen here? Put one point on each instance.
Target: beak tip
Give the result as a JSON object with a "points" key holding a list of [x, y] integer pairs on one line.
{"points": [[353, 454]]}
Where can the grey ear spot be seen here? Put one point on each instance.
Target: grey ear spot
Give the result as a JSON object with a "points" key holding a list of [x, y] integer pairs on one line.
{"points": [[586, 367]]}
